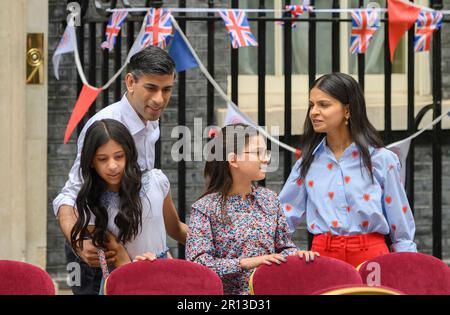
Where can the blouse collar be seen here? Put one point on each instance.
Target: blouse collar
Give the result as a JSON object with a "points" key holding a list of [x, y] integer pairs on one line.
{"points": [[322, 146], [249, 196]]}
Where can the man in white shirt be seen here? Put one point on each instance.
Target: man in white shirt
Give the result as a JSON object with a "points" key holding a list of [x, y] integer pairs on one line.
{"points": [[149, 83]]}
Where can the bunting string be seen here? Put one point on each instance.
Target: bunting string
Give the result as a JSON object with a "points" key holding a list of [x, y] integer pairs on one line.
{"points": [[418, 133], [222, 93], [217, 10], [231, 106], [81, 71]]}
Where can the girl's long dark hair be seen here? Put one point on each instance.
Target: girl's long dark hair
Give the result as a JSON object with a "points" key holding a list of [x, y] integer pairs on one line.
{"points": [[231, 139], [346, 90], [129, 217]]}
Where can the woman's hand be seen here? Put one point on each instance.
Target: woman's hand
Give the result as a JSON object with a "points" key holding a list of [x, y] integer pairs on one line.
{"points": [[254, 262], [308, 255], [145, 256]]}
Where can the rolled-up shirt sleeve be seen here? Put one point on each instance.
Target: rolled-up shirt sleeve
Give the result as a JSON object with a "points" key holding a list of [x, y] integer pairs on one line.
{"points": [[69, 192], [396, 208], [293, 198]]}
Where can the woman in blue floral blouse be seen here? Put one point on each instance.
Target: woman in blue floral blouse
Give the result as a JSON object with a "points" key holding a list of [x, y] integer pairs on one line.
{"points": [[236, 227], [347, 185]]}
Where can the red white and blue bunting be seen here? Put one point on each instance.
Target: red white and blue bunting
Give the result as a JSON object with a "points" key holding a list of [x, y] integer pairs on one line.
{"points": [[157, 27]]}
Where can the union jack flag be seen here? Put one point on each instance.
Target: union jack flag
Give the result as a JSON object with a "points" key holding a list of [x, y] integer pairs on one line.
{"points": [[158, 26], [364, 24], [113, 29], [426, 23], [296, 11], [237, 25]]}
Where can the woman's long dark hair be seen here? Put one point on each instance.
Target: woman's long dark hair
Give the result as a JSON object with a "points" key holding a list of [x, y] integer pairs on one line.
{"points": [[129, 217], [231, 139], [346, 90]]}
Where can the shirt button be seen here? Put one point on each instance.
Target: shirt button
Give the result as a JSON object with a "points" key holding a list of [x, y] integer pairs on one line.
{"points": [[340, 183]]}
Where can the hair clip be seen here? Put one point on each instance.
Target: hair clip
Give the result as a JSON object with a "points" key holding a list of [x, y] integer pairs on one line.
{"points": [[212, 133]]}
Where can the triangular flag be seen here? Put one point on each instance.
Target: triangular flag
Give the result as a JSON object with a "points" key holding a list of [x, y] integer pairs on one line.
{"points": [[427, 23], [181, 54], [296, 11], [113, 29], [65, 46], [402, 16], [364, 24], [233, 116], [401, 148], [155, 30], [85, 99], [236, 23]]}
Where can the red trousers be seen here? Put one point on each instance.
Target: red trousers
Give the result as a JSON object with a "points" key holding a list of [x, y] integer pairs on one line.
{"points": [[354, 249]]}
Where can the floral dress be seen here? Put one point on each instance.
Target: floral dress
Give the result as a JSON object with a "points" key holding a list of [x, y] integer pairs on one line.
{"points": [[256, 226]]}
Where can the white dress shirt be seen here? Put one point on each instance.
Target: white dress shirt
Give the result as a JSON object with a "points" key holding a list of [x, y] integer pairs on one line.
{"points": [[144, 135]]}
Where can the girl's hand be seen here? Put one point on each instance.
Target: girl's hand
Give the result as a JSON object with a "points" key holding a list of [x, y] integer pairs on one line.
{"points": [[112, 243], [89, 254], [254, 262], [308, 255], [145, 256]]}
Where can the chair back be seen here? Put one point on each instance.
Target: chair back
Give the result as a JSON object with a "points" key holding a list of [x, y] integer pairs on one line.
{"points": [[20, 278], [163, 276], [299, 277], [412, 273]]}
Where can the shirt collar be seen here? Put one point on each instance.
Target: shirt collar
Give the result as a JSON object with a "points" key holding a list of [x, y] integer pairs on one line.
{"points": [[250, 196], [352, 146], [131, 118], [321, 145]]}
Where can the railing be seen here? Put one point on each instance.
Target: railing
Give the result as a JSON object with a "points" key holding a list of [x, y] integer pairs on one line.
{"points": [[436, 136]]}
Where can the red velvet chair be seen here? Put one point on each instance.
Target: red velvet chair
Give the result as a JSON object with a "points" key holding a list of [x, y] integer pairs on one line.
{"points": [[412, 273], [163, 276], [298, 277], [351, 289], [19, 278]]}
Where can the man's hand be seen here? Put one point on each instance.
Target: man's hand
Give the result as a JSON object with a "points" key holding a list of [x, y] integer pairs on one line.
{"points": [[89, 254], [67, 217]]}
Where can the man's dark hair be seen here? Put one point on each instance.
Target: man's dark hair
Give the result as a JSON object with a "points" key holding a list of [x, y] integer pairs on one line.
{"points": [[151, 60]]}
